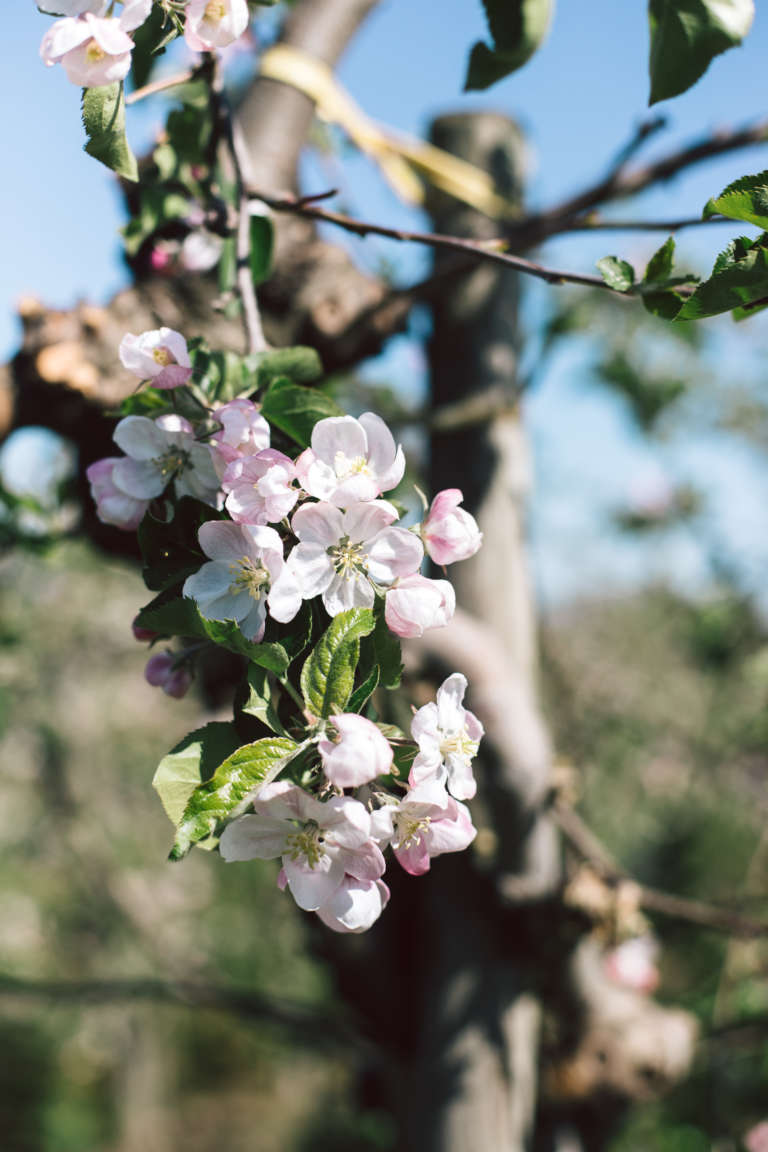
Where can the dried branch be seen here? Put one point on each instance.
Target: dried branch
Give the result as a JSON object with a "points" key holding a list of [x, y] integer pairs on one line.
{"points": [[581, 837], [162, 85]]}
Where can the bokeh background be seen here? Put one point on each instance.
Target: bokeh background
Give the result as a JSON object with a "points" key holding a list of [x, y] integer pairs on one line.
{"points": [[650, 553]]}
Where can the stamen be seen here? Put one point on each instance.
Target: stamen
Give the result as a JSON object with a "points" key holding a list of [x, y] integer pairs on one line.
{"points": [[249, 577], [347, 557], [307, 843], [215, 11], [94, 52], [345, 466], [163, 356], [172, 463]]}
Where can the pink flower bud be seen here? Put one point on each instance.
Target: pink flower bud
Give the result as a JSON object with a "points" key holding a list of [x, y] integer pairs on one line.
{"points": [[161, 672], [113, 504], [143, 634], [160, 259], [449, 532], [416, 604], [360, 754]]}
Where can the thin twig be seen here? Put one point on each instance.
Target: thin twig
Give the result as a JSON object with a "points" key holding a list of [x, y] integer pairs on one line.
{"points": [[477, 249], [601, 224], [161, 85], [581, 837], [254, 332], [330, 1030], [619, 184]]}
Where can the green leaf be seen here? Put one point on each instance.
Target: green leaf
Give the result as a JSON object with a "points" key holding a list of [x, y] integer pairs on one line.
{"points": [[364, 691], [228, 635], [103, 111], [661, 263], [169, 547], [299, 363], [739, 280], [190, 763], [745, 199], [171, 615], [618, 274], [262, 242], [148, 402], [328, 675], [295, 410], [383, 649], [293, 637], [518, 28], [259, 702], [250, 767], [144, 56], [686, 35]]}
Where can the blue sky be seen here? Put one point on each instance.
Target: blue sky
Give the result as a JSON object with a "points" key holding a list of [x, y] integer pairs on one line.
{"points": [[577, 101]]}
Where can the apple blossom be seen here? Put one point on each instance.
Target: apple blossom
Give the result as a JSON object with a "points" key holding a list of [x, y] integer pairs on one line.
{"points": [[244, 575], [339, 554], [355, 905], [448, 736], [260, 487], [357, 754], [93, 49], [633, 963], [113, 505], [160, 356], [416, 604], [320, 842], [243, 432], [449, 532], [425, 823], [160, 451], [350, 460], [164, 671], [214, 23]]}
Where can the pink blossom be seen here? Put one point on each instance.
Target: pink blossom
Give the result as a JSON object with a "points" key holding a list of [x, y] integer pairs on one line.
{"points": [[756, 1140], [164, 671], [160, 356], [359, 753], [633, 963], [160, 452], [94, 49], [350, 460], [425, 823], [355, 905], [245, 575], [243, 432], [341, 555], [416, 604], [113, 504], [214, 23], [320, 842], [448, 735], [449, 532], [260, 487]]}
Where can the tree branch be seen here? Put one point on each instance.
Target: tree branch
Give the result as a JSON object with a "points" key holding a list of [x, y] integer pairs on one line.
{"points": [[581, 837]]}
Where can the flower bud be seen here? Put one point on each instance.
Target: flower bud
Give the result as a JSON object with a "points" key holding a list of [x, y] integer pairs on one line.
{"points": [[360, 754], [416, 604], [161, 672], [143, 634], [449, 532]]}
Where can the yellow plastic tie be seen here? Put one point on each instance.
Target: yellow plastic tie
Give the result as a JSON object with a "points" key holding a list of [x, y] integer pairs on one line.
{"points": [[398, 156]]}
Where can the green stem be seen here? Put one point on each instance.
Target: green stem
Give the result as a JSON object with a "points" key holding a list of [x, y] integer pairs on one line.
{"points": [[289, 688]]}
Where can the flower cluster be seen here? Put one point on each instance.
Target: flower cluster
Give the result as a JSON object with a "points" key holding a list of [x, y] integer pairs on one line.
{"points": [[94, 46], [332, 850], [265, 533], [345, 544]]}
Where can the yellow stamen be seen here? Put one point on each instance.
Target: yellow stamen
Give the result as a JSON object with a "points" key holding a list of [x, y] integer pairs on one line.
{"points": [[215, 11], [162, 356], [94, 52], [458, 744]]}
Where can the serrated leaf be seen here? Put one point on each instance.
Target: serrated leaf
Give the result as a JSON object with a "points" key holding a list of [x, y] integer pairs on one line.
{"points": [[299, 363], [190, 763], [739, 279], [227, 634], [661, 263], [103, 111], [259, 702], [745, 199], [250, 767], [617, 274], [686, 35], [171, 615], [169, 547], [364, 691], [518, 28], [328, 675], [295, 410], [383, 649]]}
